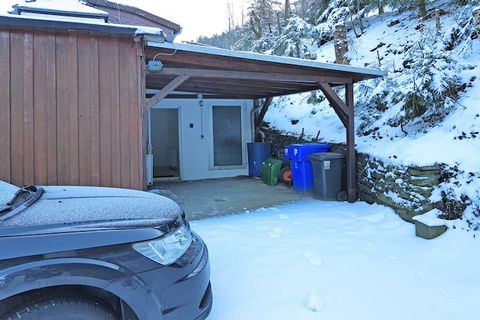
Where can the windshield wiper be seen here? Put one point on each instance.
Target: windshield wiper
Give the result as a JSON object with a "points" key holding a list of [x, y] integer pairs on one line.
{"points": [[5, 209], [20, 201], [22, 194]]}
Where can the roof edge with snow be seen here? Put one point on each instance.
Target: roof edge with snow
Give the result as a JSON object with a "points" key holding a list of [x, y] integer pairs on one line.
{"points": [[371, 73], [12, 21]]}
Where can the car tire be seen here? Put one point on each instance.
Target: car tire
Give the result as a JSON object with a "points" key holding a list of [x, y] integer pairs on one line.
{"points": [[64, 308]]}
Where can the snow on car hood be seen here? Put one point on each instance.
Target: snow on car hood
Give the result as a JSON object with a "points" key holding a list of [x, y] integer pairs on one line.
{"points": [[92, 205]]}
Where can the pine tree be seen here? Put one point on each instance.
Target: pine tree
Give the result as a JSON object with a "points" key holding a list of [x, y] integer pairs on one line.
{"points": [[263, 15]]}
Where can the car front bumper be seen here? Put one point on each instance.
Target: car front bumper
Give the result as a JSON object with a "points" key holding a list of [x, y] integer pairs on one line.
{"points": [[178, 291]]}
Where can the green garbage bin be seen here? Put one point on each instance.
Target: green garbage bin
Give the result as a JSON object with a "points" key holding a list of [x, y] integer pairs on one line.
{"points": [[327, 175], [270, 170]]}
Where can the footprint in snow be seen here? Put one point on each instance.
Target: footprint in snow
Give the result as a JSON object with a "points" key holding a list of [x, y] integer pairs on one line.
{"points": [[444, 293], [394, 258], [316, 301], [313, 258], [275, 233]]}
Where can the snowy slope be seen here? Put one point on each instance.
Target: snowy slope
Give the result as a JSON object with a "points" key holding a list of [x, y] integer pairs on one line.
{"points": [[438, 145], [329, 260], [405, 50]]}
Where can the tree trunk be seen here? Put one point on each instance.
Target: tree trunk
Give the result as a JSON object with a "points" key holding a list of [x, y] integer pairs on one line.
{"points": [[381, 10], [422, 10], [287, 10]]}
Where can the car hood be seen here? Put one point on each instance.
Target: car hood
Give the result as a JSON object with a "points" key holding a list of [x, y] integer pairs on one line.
{"points": [[98, 208]]}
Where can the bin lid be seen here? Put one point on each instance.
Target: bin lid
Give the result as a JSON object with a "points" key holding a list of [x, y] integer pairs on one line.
{"points": [[321, 156]]}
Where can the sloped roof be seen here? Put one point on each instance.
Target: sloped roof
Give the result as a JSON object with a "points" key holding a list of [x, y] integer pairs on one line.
{"points": [[220, 73], [176, 28], [58, 7], [24, 22]]}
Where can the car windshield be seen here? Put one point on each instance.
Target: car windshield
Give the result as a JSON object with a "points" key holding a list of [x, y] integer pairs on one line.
{"points": [[7, 191]]}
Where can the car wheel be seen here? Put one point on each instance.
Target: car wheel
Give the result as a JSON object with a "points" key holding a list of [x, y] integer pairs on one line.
{"points": [[64, 308]]}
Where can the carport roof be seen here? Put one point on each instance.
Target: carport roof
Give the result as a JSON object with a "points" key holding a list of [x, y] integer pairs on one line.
{"points": [[219, 73]]}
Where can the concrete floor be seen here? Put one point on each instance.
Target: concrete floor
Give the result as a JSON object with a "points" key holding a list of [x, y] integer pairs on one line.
{"points": [[216, 197]]}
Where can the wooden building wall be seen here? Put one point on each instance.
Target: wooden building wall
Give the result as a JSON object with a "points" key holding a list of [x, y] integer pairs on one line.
{"points": [[70, 109]]}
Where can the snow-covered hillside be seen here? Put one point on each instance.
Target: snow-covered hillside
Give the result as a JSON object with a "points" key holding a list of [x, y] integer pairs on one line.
{"points": [[425, 112], [379, 103]]}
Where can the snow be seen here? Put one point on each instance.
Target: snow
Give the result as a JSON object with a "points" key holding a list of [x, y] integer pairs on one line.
{"points": [[439, 144], [70, 6], [61, 5], [6, 192], [266, 58], [452, 141], [71, 205], [58, 5], [431, 218], [331, 260]]}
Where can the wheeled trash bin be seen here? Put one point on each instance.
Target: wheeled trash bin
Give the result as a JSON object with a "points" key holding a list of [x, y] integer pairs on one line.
{"points": [[327, 175]]}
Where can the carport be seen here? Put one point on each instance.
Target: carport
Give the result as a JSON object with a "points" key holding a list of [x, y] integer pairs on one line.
{"points": [[193, 71], [75, 96]]}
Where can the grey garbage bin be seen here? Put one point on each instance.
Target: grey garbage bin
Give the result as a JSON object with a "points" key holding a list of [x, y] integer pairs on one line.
{"points": [[327, 175]]}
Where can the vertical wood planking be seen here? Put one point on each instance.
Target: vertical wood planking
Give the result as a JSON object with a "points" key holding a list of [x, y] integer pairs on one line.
{"points": [[115, 113], [141, 105], [84, 123], [70, 109], [124, 82], [63, 85], [16, 106], [5, 106], [94, 113], [40, 108], [105, 67], [134, 117], [73, 109], [28, 144], [52, 123]]}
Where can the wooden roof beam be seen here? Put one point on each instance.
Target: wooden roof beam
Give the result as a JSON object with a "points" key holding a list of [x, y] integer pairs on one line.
{"points": [[214, 87], [169, 88], [337, 104], [245, 75]]}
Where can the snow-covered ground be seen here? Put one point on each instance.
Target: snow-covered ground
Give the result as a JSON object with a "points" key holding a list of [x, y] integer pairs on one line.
{"points": [[331, 260]]}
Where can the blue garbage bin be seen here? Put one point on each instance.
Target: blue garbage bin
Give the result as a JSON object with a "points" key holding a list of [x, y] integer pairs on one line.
{"points": [[258, 152], [301, 165]]}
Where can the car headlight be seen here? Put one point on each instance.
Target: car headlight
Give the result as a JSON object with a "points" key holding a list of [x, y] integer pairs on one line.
{"points": [[168, 249]]}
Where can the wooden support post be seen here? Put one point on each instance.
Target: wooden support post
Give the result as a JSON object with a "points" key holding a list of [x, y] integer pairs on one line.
{"points": [[351, 158], [169, 88], [337, 104]]}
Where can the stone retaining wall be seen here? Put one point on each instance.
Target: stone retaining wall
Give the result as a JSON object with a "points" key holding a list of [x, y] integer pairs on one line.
{"points": [[405, 189]]}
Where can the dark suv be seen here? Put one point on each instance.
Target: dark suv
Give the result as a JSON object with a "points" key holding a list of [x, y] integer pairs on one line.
{"points": [[98, 253]]}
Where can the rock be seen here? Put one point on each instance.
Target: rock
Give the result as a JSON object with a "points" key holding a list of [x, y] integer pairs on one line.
{"points": [[424, 181], [393, 23], [425, 231]]}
